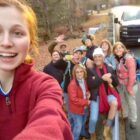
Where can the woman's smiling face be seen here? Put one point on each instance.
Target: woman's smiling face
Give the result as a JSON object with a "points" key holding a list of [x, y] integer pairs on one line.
{"points": [[14, 38], [119, 50], [79, 73]]}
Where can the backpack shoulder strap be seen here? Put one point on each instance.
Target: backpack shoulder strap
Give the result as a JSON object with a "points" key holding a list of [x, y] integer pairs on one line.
{"points": [[67, 68]]}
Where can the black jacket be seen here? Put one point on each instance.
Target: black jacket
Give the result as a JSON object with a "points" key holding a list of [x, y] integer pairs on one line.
{"points": [[90, 51], [61, 64], [94, 81], [52, 70]]}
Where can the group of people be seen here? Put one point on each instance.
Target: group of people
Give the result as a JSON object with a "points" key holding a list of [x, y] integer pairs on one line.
{"points": [[95, 80]]}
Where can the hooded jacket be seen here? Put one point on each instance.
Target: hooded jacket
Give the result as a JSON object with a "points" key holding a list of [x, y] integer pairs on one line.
{"points": [[35, 108]]}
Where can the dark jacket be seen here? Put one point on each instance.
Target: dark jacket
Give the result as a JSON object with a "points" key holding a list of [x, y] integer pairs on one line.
{"points": [[52, 70], [90, 51], [61, 64], [36, 108], [94, 81]]}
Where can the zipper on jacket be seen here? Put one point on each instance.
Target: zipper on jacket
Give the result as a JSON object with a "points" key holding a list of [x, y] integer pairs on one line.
{"points": [[7, 98], [8, 103]]}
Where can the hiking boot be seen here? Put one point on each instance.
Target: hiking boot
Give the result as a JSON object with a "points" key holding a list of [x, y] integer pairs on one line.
{"points": [[93, 136], [133, 125], [87, 137], [107, 133]]}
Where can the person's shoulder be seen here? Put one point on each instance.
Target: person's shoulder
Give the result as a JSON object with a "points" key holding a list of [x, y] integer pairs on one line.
{"points": [[42, 82], [91, 70], [73, 82], [47, 67], [111, 56], [40, 77], [94, 46], [109, 68], [128, 56]]}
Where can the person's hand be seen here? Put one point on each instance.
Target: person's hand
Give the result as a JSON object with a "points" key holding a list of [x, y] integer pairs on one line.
{"points": [[130, 91], [88, 95], [104, 77], [88, 102], [89, 63], [107, 78], [60, 38], [108, 75]]}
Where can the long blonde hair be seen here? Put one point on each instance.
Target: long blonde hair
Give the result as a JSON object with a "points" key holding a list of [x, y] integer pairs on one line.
{"points": [[30, 16]]}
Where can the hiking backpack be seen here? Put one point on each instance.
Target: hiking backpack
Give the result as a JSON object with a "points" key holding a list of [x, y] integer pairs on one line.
{"points": [[137, 61]]}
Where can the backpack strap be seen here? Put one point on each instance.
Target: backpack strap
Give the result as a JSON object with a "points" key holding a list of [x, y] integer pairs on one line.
{"points": [[67, 70], [123, 61], [125, 57]]}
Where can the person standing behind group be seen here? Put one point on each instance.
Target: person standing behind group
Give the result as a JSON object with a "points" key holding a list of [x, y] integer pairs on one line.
{"points": [[126, 72], [83, 48], [62, 46], [63, 49], [87, 40], [30, 101], [107, 49], [78, 101]]}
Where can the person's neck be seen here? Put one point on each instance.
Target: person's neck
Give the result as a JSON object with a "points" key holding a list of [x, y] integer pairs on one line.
{"points": [[6, 79], [74, 62], [54, 61], [79, 79], [105, 53], [100, 66], [89, 46]]}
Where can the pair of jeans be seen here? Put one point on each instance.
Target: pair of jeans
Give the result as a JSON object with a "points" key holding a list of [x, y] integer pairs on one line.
{"points": [[78, 124], [94, 112]]}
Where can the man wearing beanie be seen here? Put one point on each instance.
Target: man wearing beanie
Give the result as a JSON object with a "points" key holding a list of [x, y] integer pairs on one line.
{"points": [[104, 99]]}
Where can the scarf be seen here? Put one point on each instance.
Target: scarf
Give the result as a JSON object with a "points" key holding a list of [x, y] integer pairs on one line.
{"points": [[103, 102]]}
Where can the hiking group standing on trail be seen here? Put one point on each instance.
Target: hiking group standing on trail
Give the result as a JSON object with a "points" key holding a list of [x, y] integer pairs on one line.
{"points": [[110, 82], [64, 101]]}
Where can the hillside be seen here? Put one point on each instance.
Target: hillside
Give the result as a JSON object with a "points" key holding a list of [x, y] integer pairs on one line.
{"points": [[93, 21]]}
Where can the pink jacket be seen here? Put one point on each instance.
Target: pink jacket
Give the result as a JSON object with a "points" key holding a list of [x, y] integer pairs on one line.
{"points": [[126, 72], [36, 111]]}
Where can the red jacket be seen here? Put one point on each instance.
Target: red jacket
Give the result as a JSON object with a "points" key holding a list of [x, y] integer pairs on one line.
{"points": [[36, 106], [76, 99]]}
